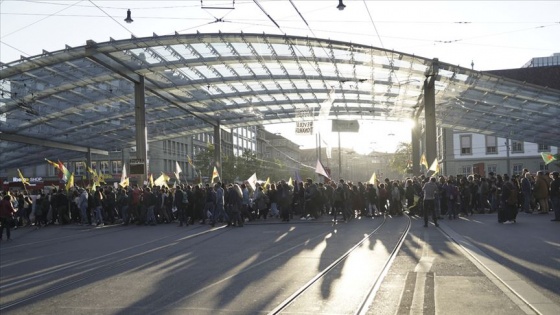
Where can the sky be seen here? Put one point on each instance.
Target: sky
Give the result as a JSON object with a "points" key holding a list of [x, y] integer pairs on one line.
{"points": [[484, 35]]}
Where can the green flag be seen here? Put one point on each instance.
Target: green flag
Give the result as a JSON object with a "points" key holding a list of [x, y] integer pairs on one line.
{"points": [[549, 157]]}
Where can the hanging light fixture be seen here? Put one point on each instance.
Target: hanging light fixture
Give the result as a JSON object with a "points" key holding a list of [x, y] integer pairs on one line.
{"points": [[340, 5], [129, 18]]}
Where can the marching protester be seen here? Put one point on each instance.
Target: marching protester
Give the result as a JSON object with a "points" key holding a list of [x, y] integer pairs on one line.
{"points": [[7, 213]]}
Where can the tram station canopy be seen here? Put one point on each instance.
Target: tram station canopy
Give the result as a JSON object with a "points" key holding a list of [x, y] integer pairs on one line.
{"points": [[85, 97]]}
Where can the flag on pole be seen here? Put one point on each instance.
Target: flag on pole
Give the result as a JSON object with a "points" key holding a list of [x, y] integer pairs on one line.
{"points": [[57, 166], [94, 178], [178, 170], [319, 169], [70, 182], [151, 180], [124, 178], [423, 160], [161, 180], [373, 179], [65, 172], [434, 167], [24, 180], [253, 181], [100, 177], [266, 184], [548, 157], [291, 182], [215, 174], [189, 160]]}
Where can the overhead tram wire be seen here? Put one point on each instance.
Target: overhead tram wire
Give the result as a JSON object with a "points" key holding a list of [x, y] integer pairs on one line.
{"points": [[48, 16]]}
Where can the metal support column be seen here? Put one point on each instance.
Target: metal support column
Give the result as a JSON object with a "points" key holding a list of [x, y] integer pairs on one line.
{"points": [[430, 113], [415, 130], [218, 149], [141, 130], [88, 164]]}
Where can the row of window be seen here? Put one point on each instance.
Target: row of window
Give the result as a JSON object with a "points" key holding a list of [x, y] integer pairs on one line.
{"points": [[517, 169], [171, 147], [103, 167], [492, 145]]}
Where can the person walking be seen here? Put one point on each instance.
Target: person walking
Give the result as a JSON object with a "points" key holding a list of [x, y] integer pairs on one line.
{"points": [[555, 195], [430, 190], [540, 192], [7, 212]]}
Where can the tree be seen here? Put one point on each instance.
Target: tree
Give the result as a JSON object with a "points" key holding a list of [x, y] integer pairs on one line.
{"points": [[401, 159], [204, 161]]}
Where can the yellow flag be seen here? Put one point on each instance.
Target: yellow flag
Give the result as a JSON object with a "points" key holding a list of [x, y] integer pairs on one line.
{"points": [[161, 180], [291, 182], [24, 180], [151, 180], [55, 165], [215, 174], [266, 184], [101, 178], [70, 182]]}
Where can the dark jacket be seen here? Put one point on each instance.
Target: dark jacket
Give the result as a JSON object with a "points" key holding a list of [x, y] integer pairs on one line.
{"points": [[6, 208]]}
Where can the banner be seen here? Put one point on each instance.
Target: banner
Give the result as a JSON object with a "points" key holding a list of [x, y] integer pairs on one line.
{"points": [[304, 125]]}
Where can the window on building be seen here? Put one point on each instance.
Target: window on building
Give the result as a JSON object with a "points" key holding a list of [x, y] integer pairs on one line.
{"points": [[466, 170], [104, 167], [544, 147], [94, 166], [466, 145], [516, 146], [164, 147], [117, 167], [491, 145], [517, 169], [80, 168], [492, 168], [543, 166]]}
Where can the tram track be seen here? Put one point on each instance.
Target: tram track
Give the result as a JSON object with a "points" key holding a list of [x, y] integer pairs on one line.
{"points": [[97, 266], [374, 287]]}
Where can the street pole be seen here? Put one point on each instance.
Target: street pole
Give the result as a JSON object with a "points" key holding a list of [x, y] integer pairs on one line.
{"points": [[508, 160], [339, 158]]}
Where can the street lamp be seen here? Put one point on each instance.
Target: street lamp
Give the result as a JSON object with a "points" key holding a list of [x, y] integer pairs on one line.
{"points": [[340, 5], [128, 17]]}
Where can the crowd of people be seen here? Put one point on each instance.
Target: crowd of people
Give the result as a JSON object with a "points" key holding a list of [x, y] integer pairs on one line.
{"points": [[234, 204]]}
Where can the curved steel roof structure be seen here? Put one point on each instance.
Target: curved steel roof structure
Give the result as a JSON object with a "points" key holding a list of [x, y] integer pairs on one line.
{"points": [[83, 97]]}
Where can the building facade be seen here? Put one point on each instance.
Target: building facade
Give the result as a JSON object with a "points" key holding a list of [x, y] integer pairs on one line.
{"points": [[471, 153]]}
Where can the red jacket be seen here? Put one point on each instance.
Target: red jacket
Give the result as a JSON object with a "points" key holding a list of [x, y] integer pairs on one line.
{"points": [[6, 209]]}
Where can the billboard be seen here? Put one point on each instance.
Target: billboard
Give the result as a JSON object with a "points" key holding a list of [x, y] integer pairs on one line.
{"points": [[345, 125]]}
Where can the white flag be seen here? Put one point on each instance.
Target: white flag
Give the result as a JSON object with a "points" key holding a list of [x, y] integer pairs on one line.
{"points": [[253, 181], [434, 167], [178, 170], [124, 178], [319, 169]]}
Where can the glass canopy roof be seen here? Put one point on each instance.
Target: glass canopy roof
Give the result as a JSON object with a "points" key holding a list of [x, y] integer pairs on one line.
{"points": [[84, 96]]}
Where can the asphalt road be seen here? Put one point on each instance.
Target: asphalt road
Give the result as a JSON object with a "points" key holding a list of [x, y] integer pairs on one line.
{"points": [[197, 269]]}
